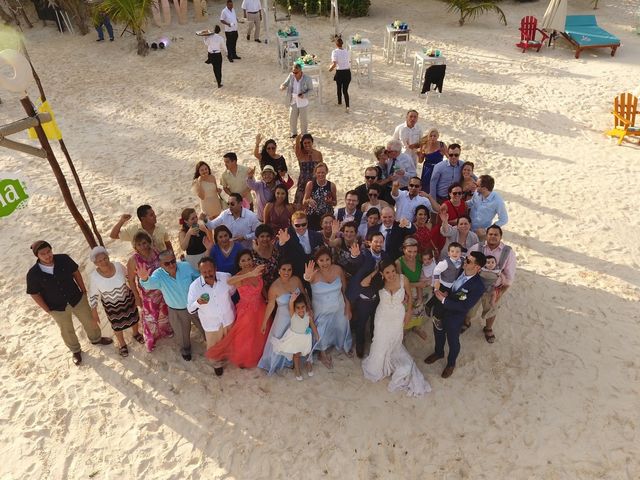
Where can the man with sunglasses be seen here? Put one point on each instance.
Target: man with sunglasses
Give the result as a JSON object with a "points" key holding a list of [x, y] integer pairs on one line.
{"points": [[445, 173], [407, 201], [173, 279], [362, 190], [465, 293], [298, 243], [241, 221]]}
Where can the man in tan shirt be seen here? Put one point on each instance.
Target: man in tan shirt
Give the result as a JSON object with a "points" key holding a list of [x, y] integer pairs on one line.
{"points": [[234, 178], [148, 224]]}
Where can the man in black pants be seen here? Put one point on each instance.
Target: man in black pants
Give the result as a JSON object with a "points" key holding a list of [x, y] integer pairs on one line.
{"points": [[215, 47], [230, 21], [363, 288]]}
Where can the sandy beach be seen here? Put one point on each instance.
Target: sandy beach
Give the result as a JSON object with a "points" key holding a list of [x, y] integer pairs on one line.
{"points": [[557, 395]]}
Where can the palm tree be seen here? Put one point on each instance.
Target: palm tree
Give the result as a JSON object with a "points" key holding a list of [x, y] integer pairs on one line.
{"points": [[471, 9], [133, 14]]}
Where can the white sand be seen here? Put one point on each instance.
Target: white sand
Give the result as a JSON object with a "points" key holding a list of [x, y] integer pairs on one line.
{"points": [[556, 397]]}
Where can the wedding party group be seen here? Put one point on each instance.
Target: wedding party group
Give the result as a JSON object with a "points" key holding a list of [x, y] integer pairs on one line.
{"points": [[275, 275]]}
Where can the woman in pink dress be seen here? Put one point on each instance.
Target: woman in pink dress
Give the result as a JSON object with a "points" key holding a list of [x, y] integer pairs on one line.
{"points": [[244, 343], [155, 320]]}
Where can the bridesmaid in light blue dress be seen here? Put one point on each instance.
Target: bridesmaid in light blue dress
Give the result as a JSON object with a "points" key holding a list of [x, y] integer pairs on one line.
{"points": [[331, 311], [279, 294]]}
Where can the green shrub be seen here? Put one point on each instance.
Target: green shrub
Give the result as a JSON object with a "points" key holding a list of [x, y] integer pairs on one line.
{"points": [[346, 8]]}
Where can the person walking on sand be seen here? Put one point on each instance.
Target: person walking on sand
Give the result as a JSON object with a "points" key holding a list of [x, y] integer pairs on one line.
{"points": [[341, 62], [230, 21], [215, 46], [252, 11], [298, 86], [56, 285]]}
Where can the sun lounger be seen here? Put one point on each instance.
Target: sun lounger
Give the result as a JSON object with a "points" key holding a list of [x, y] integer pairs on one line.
{"points": [[583, 32]]}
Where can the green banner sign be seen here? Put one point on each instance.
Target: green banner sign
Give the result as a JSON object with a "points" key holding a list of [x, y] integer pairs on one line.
{"points": [[13, 194]]}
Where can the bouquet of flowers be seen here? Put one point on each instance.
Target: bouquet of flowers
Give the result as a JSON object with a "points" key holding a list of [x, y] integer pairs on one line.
{"points": [[432, 52], [307, 59], [290, 31], [357, 39], [399, 25]]}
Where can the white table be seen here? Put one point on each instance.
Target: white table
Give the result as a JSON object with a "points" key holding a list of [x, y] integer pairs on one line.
{"points": [[282, 41], [363, 46], [391, 33], [420, 63]]}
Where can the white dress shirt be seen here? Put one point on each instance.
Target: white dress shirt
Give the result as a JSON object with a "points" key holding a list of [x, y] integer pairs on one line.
{"points": [[406, 206], [342, 59], [215, 44], [295, 99], [243, 226], [230, 17], [219, 311], [408, 136], [251, 6], [305, 242]]}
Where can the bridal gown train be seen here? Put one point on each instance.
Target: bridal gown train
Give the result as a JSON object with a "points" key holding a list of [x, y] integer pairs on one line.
{"points": [[388, 357]]}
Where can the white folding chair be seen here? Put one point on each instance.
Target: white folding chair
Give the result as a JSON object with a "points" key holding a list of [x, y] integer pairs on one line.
{"points": [[400, 41], [291, 54], [364, 66]]}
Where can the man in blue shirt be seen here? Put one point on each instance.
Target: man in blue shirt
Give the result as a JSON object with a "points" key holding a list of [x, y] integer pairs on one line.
{"points": [[485, 205], [173, 280], [445, 173]]}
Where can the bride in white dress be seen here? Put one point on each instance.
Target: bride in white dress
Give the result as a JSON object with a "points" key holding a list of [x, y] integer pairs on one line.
{"points": [[387, 356]]}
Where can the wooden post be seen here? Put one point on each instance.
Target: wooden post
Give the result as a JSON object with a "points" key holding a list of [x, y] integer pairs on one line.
{"points": [[57, 171]]}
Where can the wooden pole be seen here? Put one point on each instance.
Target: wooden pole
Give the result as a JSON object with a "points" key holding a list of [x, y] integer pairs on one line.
{"points": [[57, 171], [21, 147], [63, 147], [23, 124]]}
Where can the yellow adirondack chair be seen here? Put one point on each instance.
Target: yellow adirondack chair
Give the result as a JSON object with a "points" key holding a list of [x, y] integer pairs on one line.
{"points": [[625, 108]]}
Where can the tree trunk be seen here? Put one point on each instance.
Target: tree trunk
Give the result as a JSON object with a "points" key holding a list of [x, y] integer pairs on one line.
{"points": [[143, 46], [78, 12]]}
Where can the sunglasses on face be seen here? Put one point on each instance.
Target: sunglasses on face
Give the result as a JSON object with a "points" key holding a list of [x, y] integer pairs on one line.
{"points": [[300, 225], [468, 261], [170, 262], [369, 177], [373, 195], [414, 186], [454, 154], [456, 193]]}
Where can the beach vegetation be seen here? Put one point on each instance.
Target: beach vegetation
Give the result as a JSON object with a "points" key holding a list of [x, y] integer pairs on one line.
{"points": [[133, 14], [472, 9], [346, 8]]}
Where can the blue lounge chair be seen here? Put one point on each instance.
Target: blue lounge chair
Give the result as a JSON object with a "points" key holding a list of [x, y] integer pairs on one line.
{"points": [[583, 32]]}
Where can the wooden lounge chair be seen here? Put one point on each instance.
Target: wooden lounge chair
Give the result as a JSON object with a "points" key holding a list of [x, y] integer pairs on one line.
{"points": [[583, 32], [625, 108], [528, 29]]}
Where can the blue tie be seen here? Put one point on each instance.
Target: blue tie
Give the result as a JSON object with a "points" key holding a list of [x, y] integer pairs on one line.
{"points": [[458, 283]]}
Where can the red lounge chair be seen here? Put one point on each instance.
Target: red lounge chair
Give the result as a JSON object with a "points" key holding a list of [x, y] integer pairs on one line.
{"points": [[528, 29]]}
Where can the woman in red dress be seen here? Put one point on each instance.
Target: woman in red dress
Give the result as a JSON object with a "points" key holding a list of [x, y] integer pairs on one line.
{"points": [[244, 343]]}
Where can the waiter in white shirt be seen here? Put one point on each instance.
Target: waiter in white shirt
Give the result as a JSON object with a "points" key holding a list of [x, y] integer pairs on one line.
{"points": [[215, 47], [341, 62], [230, 21], [252, 11], [409, 133]]}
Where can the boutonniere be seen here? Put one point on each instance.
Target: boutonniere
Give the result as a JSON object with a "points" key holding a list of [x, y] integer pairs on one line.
{"points": [[461, 295]]}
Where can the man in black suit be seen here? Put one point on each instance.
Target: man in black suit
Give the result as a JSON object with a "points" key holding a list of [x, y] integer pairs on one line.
{"points": [[465, 293], [350, 212], [363, 287], [393, 232], [298, 243]]}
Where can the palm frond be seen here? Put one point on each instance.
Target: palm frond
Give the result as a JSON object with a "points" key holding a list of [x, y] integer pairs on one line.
{"points": [[474, 10], [130, 12]]}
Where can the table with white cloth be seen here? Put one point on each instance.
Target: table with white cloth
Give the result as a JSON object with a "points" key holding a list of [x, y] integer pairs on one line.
{"points": [[281, 45], [390, 33], [363, 46], [421, 62]]}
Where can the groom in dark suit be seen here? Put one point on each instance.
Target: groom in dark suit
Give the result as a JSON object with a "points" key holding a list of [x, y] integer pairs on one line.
{"points": [[364, 298], [465, 293], [393, 232], [298, 243]]}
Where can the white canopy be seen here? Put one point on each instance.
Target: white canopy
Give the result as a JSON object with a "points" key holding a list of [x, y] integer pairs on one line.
{"points": [[555, 16]]}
